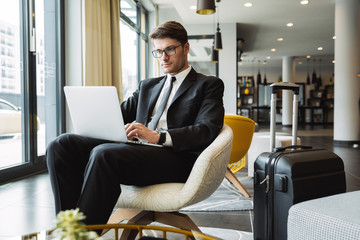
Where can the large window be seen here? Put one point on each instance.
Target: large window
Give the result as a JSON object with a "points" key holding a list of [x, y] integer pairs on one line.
{"points": [[134, 44], [29, 81]]}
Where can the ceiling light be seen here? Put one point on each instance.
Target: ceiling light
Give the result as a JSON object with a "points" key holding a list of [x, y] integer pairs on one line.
{"points": [[290, 25], [334, 37], [320, 48], [205, 7], [300, 63], [280, 39], [273, 50], [268, 57], [308, 56], [193, 7], [304, 2], [248, 4], [333, 61]]}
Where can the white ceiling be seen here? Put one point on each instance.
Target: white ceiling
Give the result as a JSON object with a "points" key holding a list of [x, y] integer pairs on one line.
{"points": [[261, 25]]}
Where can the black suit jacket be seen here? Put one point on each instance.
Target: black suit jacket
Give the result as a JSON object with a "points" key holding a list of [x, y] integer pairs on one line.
{"points": [[195, 115]]}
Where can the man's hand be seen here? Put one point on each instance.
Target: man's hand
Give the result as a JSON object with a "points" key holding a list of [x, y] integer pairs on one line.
{"points": [[141, 132]]}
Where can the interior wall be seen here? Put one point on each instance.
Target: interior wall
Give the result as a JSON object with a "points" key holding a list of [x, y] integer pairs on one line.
{"points": [[73, 48]]}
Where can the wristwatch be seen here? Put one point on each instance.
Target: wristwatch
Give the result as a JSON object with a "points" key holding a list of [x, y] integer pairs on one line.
{"points": [[162, 138]]}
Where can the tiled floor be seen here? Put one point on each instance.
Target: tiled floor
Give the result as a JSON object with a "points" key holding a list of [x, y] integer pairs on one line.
{"points": [[27, 206]]}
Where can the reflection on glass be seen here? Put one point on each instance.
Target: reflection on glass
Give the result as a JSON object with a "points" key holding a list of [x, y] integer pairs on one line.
{"points": [[128, 60], [200, 56], [10, 84]]}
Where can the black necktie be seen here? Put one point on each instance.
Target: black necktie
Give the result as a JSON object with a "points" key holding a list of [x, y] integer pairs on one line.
{"points": [[159, 111]]}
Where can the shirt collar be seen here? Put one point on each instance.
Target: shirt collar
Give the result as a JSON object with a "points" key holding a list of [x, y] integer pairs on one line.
{"points": [[181, 75]]}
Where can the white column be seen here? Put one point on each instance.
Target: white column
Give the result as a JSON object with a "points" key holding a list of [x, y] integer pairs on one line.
{"points": [[288, 69], [347, 64]]}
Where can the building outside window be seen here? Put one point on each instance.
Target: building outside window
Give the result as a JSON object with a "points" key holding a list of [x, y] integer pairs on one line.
{"points": [[134, 44]]}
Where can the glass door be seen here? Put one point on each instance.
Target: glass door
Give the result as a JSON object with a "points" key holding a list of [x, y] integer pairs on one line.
{"points": [[31, 79], [11, 88]]}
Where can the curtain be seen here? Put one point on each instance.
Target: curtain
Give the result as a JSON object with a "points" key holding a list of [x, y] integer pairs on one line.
{"points": [[102, 44]]}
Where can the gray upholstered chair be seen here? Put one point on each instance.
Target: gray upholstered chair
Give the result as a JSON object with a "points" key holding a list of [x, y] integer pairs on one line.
{"points": [[162, 202]]}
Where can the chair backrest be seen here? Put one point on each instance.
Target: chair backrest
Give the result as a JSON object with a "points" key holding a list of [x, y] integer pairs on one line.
{"points": [[209, 169], [243, 130]]}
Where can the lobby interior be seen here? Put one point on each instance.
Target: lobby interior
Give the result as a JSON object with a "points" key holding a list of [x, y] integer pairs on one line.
{"points": [[26, 200]]}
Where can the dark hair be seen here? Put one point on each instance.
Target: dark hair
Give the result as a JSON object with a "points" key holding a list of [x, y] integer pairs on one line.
{"points": [[170, 29]]}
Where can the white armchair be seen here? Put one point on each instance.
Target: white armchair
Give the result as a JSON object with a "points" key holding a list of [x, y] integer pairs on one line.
{"points": [[161, 202]]}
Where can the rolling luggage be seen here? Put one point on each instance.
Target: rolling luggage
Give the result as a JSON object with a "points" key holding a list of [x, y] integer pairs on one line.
{"points": [[289, 175]]}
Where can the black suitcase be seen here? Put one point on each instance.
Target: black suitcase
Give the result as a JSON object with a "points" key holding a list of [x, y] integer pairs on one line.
{"points": [[285, 176]]}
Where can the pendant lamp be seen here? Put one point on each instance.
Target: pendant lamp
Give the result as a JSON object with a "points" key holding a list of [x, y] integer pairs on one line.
{"points": [[214, 55], [308, 75], [218, 41], [319, 80], [265, 79], [258, 78], [205, 7], [314, 77]]}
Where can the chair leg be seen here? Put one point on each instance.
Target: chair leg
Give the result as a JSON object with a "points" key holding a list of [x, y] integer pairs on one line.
{"points": [[121, 214], [176, 219], [233, 179], [142, 217]]}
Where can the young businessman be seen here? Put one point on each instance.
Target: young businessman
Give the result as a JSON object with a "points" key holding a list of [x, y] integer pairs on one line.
{"points": [[87, 172]]}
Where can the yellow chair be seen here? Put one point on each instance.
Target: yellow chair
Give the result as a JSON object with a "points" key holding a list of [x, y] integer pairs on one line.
{"points": [[243, 130]]}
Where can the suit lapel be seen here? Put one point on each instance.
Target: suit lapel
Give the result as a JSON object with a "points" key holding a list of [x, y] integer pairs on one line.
{"points": [[154, 96], [186, 84]]}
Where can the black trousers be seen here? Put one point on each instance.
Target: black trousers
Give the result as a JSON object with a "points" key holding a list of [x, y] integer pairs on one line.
{"points": [[87, 173]]}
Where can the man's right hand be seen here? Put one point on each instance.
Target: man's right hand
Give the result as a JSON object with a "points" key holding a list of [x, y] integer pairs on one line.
{"points": [[141, 132]]}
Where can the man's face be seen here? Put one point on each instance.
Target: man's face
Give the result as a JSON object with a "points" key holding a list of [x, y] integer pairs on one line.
{"points": [[175, 63]]}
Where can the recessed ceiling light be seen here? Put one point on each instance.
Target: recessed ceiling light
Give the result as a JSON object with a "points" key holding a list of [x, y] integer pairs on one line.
{"points": [[280, 39], [248, 4], [308, 56], [320, 48], [193, 7], [304, 2], [334, 37], [268, 57], [273, 50], [333, 61], [290, 25]]}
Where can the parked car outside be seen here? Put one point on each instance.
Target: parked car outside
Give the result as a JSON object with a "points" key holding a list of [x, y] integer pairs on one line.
{"points": [[10, 118]]}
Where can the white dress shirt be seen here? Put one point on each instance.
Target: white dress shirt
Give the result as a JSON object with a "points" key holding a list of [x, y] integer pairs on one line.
{"points": [[162, 124]]}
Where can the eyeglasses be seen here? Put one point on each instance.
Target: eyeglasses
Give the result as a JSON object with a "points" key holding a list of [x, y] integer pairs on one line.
{"points": [[169, 51]]}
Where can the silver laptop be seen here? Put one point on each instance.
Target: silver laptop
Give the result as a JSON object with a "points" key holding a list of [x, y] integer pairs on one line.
{"points": [[95, 112]]}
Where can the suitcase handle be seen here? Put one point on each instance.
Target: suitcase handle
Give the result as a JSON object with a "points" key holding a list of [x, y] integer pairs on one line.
{"points": [[282, 149], [285, 85]]}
